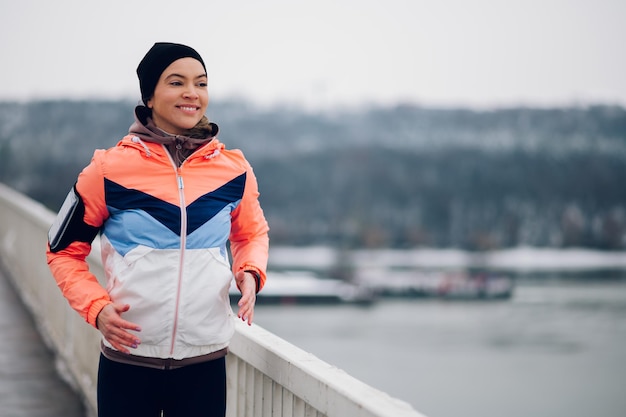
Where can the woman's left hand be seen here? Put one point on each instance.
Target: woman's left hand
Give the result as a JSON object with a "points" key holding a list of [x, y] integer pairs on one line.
{"points": [[247, 285]]}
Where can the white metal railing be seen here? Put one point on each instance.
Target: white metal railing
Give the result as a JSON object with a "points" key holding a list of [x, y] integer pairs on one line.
{"points": [[266, 376]]}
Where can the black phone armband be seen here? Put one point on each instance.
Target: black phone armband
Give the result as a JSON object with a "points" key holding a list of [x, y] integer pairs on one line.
{"points": [[69, 225]]}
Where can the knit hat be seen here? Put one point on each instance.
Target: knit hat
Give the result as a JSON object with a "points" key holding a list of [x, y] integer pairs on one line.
{"points": [[159, 57]]}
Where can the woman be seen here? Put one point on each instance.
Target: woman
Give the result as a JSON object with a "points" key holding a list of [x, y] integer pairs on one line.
{"points": [[166, 200]]}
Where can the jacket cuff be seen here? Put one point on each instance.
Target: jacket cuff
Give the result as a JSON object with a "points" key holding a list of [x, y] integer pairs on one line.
{"points": [[94, 310]]}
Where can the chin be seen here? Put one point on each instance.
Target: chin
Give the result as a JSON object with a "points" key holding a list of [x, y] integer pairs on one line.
{"points": [[186, 126]]}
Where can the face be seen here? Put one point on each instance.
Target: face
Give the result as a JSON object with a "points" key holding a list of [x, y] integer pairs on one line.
{"points": [[181, 96]]}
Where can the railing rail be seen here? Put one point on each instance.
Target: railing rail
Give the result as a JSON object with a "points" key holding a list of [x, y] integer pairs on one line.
{"points": [[267, 376]]}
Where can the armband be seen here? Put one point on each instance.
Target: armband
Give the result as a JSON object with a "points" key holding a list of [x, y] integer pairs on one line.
{"points": [[69, 225]]}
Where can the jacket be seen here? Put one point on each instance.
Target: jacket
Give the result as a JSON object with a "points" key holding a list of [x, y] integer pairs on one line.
{"points": [[164, 235]]}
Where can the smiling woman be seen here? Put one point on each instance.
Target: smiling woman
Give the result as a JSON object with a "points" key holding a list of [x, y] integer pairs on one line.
{"points": [[166, 201]]}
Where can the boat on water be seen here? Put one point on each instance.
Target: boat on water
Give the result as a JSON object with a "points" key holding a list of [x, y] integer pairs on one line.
{"points": [[301, 287], [461, 285]]}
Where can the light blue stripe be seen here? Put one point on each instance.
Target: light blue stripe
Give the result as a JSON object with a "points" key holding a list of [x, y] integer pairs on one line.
{"points": [[129, 228], [212, 234]]}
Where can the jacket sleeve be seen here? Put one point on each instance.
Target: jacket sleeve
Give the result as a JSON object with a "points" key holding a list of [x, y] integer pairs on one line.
{"points": [[249, 240], [69, 266]]}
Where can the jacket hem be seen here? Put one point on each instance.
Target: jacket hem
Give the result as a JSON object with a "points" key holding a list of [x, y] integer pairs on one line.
{"points": [[159, 363], [181, 352]]}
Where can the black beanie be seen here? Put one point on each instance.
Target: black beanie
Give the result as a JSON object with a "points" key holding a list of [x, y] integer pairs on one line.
{"points": [[159, 57]]}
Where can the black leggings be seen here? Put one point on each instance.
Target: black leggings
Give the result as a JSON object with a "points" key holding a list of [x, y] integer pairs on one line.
{"points": [[136, 391]]}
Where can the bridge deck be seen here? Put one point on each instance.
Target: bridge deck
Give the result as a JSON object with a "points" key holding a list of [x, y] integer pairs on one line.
{"points": [[29, 383]]}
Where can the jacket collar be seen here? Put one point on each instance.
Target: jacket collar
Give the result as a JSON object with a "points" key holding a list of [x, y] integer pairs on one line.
{"points": [[146, 131]]}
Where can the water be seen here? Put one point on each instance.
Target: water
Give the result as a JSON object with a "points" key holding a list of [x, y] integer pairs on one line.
{"points": [[556, 349]]}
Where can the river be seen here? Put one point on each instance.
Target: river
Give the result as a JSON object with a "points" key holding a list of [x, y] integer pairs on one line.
{"points": [[557, 348]]}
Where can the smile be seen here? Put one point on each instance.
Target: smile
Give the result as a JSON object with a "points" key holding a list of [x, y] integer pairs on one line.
{"points": [[188, 108]]}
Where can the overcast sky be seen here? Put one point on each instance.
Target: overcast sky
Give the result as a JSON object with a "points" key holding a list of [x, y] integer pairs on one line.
{"points": [[481, 53]]}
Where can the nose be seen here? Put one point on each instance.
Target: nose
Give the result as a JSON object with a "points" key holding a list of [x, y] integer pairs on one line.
{"points": [[191, 92]]}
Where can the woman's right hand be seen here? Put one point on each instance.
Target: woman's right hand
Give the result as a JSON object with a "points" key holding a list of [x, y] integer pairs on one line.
{"points": [[113, 327]]}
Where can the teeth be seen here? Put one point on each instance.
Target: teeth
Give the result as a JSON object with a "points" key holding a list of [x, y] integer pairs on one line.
{"points": [[188, 108]]}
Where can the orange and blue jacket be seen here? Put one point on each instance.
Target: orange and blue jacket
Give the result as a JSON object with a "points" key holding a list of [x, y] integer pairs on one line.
{"points": [[164, 233]]}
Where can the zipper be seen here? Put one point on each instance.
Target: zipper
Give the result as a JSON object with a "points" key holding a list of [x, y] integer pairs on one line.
{"points": [[183, 242]]}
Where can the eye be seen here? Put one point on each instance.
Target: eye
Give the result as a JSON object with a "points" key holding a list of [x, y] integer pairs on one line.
{"points": [[176, 83], [202, 84]]}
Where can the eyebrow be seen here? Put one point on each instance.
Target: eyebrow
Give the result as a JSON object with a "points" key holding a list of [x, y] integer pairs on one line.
{"points": [[182, 76]]}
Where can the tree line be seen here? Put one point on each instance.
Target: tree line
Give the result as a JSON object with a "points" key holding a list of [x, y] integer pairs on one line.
{"points": [[399, 176]]}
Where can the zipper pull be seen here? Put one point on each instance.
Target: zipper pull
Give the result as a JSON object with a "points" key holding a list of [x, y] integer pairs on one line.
{"points": [[180, 183]]}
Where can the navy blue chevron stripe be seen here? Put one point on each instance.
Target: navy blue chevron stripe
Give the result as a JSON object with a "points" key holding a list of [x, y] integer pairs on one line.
{"points": [[199, 212], [122, 198], [208, 205]]}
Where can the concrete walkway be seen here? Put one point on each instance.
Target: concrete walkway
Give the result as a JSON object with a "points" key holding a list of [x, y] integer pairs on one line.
{"points": [[29, 383]]}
